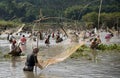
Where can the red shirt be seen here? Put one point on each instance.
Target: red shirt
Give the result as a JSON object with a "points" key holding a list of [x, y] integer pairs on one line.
{"points": [[23, 39]]}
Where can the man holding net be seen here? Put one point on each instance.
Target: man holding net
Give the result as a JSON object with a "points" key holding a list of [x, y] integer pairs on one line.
{"points": [[32, 61]]}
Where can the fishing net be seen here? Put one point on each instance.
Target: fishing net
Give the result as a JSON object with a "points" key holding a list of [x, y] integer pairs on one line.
{"points": [[62, 56]]}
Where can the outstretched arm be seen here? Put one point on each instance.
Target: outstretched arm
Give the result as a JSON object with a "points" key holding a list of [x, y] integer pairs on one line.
{"points": [[39, 65]]}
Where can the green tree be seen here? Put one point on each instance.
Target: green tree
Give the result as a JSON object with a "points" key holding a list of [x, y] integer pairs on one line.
{"points": [[108, 19], [91, 17]]}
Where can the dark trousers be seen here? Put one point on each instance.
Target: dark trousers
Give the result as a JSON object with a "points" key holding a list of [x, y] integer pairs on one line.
{"points": [[28, 68]]}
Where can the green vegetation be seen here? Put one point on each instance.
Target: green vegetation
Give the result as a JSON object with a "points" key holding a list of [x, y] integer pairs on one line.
{"points": [[81, 10], [104, 47], [7, 56], [101, 47], [8, 23], [108, 19], [80, 52], [4, 25]]}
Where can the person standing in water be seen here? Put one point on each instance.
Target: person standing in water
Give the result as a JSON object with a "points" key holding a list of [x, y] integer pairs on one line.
{"points": [[32, 61], [47, 41], [10, 37], [23, 40], [98, 40], [23, 43], [12, 45], [14, 49], [93, 46], [108, 37]]}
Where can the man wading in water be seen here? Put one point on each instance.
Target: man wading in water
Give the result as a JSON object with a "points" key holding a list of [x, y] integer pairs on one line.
{"points": [[32, 61], [94, 45]]}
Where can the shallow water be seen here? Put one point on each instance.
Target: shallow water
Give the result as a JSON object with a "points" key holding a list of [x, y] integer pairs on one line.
{"points": [[105, 67], [107, 64]]}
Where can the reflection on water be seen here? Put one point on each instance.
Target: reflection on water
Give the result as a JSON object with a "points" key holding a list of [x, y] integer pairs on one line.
{"points": [[14, 60], [38, 75], [30, 75]]}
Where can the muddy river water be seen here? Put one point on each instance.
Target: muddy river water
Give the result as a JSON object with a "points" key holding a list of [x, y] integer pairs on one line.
{"points": [[107, 64]]}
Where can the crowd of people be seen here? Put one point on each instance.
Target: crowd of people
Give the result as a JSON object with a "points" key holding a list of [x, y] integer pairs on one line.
{"points": [[18, 45], [20, 39]]}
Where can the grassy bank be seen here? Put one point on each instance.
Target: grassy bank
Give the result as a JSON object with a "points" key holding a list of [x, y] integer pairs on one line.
{"points": [[102, 47], [8, 23]]}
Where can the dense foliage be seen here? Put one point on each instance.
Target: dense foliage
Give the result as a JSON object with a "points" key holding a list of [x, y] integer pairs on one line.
{"points": [[29, 10], [106, 19]]}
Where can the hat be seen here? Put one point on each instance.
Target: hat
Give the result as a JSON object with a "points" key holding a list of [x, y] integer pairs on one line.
{"points": [[35, 50]]}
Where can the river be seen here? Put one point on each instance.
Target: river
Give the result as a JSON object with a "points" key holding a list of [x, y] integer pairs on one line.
{"points": [[107, 64]]}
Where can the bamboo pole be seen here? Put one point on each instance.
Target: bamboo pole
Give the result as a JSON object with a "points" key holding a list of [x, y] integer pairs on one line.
{"points": [[99, 13]]}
